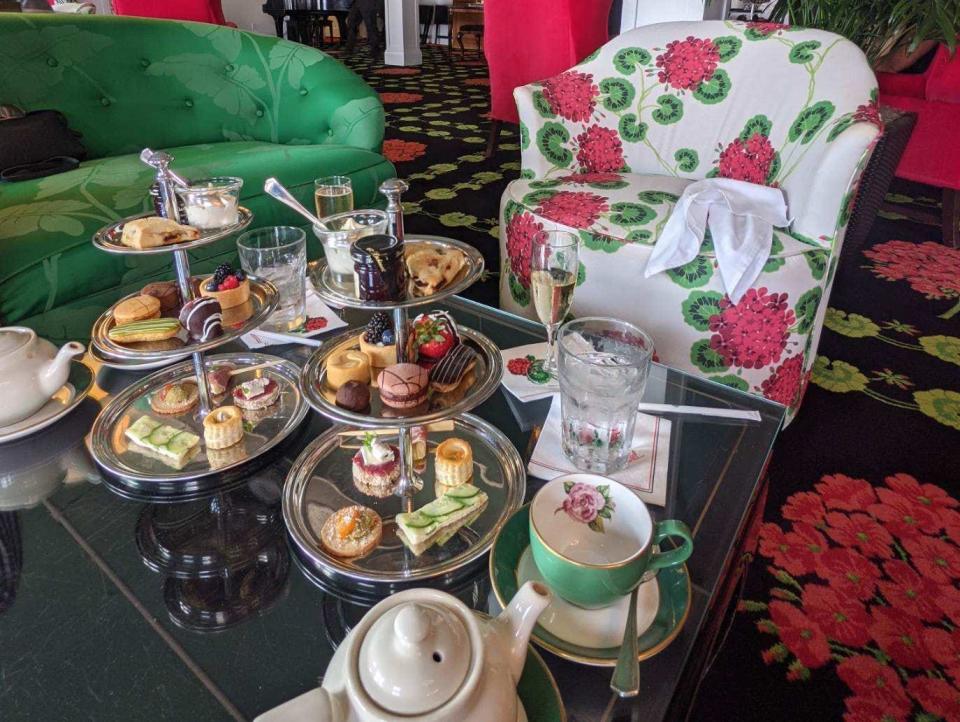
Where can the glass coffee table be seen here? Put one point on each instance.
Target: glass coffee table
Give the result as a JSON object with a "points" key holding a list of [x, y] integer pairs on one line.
{"points": [[114, 607]]}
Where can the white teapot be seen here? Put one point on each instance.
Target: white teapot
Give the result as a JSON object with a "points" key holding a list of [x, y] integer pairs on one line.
{"points": [[423, 656], [31, 371]]}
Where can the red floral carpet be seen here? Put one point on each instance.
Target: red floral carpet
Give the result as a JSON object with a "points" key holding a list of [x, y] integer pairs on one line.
{"points": [[851, 610]]}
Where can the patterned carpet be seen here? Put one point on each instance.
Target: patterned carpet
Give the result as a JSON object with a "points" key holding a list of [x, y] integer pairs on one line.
{"points": [[852, 609]]}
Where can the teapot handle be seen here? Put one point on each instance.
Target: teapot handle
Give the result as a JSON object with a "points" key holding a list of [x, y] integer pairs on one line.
{"points": [[314, 706]]}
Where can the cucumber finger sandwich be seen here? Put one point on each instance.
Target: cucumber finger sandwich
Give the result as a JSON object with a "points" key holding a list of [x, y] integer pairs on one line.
{"points": [[438, 521]]}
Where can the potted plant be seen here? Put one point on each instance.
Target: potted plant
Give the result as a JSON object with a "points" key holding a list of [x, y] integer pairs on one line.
{"points": [[892, 33]]}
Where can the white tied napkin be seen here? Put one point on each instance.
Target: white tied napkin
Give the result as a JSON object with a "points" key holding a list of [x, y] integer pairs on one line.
{"points": [[741, 217], [646, 472]]}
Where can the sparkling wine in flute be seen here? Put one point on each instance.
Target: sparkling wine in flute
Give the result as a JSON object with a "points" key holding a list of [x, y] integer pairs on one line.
{"points": [[333, 199], [552, 293]]}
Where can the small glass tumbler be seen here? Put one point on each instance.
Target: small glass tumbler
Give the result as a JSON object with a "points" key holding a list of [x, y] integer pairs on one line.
{"points": [[279, 254], [603, 368], [337, 234], [333, 194], [212, 203]]}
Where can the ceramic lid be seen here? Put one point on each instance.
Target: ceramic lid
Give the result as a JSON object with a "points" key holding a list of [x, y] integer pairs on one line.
{"points": [[13, 338], [415, 657]]}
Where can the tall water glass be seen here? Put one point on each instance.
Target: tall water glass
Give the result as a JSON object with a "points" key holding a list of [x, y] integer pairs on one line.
{"points": [[603, 368], [279, 255], [554, 264], [333, 194]]}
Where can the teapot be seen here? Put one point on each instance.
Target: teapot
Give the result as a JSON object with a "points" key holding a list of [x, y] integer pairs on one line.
{"points": [[422, 655], [31, 371]]}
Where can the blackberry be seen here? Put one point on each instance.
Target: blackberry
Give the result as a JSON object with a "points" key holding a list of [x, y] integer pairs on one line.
{"points": [[222, 271], [376, 326], [240, 275]]}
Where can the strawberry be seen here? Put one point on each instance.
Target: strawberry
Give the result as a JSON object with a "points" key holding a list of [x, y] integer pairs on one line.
{"points": [[434, 337], [228, 283]]}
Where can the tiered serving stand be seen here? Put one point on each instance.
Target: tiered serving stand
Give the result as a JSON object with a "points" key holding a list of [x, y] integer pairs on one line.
{"points": [[320, 480], [142, 476]]}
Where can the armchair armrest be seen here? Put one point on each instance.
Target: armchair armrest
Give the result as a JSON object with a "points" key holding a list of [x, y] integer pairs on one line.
{"points": [[537, 130]]}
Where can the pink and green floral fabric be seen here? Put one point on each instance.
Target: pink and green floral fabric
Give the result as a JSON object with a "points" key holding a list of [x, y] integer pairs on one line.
{"points": [[609, 146]]}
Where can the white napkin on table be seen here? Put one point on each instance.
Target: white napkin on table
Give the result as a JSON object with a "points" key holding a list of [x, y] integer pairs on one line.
{"points": [[646, 472], [741, 217]]}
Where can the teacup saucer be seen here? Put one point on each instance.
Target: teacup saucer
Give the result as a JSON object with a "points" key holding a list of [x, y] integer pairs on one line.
{"points": [[590, 636]]}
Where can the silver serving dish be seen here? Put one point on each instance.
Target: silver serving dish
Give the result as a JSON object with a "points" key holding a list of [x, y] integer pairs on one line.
{"points": [[263, 296], [122, 365], [488, 372], [337, 294], [321, 481], [264, 429], [108, 238]]}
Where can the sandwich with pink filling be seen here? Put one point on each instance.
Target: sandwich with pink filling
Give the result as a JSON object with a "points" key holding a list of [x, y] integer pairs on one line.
{"points": [[376, 465], [258, 393]]}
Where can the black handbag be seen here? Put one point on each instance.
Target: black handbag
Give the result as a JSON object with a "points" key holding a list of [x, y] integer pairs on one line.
{"points": [[38, 144]]}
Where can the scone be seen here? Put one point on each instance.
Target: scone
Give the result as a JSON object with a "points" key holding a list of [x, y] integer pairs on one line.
{"points": [[155, 231], [433, 268], [138, 308], [223, 427], [351, 532], [349, 365], [454, 464]]}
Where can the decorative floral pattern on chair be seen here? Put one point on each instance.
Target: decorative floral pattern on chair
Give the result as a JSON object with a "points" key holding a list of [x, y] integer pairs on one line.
{"points": [[609, 146]]}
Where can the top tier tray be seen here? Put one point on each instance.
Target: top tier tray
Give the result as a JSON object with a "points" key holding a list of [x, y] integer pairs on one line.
{"points": [[338, 295], [108, 238]]}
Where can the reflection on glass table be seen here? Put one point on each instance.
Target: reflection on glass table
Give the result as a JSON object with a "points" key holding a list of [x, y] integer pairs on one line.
{"points": [[91, 570]]}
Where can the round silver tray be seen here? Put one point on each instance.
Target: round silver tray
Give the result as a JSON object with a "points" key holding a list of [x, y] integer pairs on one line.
{"points": [[488, 371], [108, 238], [264, 429], [339, 295], [122, 365], [263, 295], [321, 481]]}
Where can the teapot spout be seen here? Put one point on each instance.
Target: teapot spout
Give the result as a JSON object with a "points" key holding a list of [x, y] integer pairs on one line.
{"points": [[55, 372], [518, 618]]}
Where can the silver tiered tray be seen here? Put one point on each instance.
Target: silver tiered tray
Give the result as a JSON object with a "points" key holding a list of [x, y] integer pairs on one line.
{"points": [[488, 371], [263, 296], [263, 429], [321, 481], [339, 295], [108, 238]]}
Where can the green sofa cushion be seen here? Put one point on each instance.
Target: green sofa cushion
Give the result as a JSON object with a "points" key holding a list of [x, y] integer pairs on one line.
{"points": [[47, 224]]}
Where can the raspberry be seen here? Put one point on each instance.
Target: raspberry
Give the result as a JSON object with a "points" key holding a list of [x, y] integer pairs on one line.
{"points": [[228, 283]]}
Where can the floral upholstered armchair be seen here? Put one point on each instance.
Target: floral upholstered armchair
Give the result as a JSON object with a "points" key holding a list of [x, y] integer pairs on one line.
{"points": [[609, 146]]}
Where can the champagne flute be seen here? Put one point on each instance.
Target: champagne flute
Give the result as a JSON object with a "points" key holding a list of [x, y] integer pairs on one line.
{"points": [[554, 263], [332, 195]]}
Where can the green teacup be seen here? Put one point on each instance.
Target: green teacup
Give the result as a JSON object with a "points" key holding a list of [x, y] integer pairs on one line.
{"points": [[592, 539]]}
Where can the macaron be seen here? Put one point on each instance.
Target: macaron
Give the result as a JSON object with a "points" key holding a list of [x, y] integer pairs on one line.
{"points": [[138, 308], [403, 386]]}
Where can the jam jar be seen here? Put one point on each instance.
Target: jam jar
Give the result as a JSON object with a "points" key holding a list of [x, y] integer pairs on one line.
{"points": [[378, 268]]}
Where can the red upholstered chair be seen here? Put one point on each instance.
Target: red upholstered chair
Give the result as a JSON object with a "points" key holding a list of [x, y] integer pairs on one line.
{"points": [[201, 11], [933, 154], [535, 39]]}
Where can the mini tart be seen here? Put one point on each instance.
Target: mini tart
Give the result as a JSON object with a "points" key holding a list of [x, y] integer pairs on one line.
{"points": [[237, 315], [223, 427], [351, 532], [349, 365], [138, 308], [454, 464], [379, 355], [230, 297], [175, 398], [380, 475]]}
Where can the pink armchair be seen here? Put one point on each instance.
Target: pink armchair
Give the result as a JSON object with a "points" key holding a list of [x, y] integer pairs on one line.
{"points": [[201, 11]]}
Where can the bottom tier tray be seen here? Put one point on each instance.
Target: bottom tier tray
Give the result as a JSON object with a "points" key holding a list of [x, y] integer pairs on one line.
{"points": [[263, 428], [321, 481]]}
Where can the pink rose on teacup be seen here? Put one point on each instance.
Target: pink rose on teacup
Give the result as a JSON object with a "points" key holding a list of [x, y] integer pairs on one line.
{"points": [[583, 502]]}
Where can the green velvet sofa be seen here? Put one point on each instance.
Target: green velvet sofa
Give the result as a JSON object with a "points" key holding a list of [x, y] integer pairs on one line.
{"points": [[222, 101]]}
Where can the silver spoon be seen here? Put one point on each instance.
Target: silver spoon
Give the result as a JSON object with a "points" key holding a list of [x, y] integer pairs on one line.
{"points": [[273, 188], [626, 675]]}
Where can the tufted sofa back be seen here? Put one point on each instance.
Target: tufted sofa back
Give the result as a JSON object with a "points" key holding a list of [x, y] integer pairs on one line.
{"points": [[126, 83], [759, 102]]}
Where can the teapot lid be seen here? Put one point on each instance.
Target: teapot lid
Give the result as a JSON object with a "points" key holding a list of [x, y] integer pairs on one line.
{"points": [[13, 337], [415, 658]]}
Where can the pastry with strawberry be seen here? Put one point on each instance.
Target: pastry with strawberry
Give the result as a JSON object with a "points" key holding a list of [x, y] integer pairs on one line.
{"points": [[229, 287], [434, 335]]}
